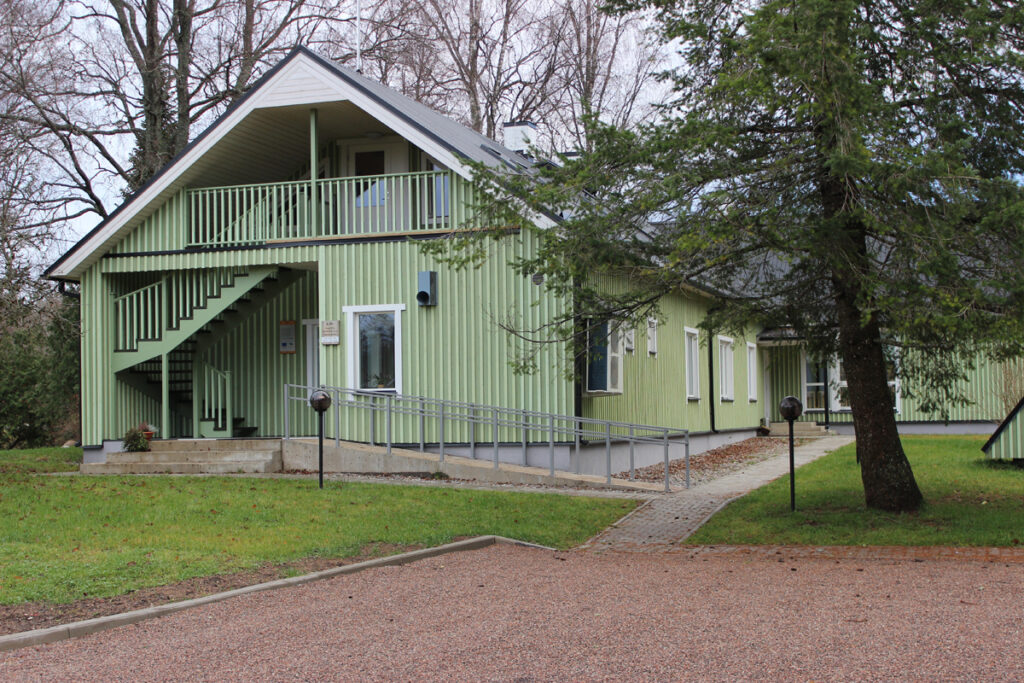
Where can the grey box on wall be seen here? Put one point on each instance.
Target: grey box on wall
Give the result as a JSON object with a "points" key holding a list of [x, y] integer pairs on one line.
{"points": [[426, 288]]}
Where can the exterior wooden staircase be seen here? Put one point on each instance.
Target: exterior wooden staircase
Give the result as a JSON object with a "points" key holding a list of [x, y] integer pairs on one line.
{"points": [[181, 317]]}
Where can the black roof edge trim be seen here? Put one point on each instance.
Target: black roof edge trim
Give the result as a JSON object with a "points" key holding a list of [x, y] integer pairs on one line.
{"points": [[298, 49], [1003, 425], [281, 245]]}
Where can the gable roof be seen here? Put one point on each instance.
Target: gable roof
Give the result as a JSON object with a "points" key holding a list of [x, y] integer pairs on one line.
{"points": [[302, 77]]}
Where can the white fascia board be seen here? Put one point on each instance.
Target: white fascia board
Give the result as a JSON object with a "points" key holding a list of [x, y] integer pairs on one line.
{"points": [[300, 65]]}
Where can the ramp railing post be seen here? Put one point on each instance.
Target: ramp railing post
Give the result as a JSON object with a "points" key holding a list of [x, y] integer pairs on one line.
{"points": [[665, 439], [632, 473], [440, 412], [389, 425], [495, 418], [686, 444], [423, 419], [551, 446], [608, 452]]}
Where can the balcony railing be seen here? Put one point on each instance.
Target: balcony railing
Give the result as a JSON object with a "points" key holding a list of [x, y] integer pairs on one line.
{"points": [[333, 207]]}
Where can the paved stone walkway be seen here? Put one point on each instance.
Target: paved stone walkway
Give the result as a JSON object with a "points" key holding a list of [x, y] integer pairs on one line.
{"points": [[670, 519]]}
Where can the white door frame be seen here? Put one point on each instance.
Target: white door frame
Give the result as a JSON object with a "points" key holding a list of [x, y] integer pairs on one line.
{"points": [[311, 327]]}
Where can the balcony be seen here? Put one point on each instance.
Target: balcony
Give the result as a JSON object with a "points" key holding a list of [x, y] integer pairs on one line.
{"points": [[401, 203]]}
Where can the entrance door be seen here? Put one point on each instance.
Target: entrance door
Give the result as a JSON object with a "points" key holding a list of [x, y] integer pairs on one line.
{"points": [[377, 202]]}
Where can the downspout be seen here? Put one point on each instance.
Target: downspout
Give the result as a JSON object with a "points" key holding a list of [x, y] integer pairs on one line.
{"points": [[711, 382]]}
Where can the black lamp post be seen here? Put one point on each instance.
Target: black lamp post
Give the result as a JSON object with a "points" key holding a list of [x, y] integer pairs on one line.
{"points": [[791, 409], [320, 400]]}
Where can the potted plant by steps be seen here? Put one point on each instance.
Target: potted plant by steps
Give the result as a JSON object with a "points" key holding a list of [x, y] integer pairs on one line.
{"points": [[135, 441], [147, 430]]}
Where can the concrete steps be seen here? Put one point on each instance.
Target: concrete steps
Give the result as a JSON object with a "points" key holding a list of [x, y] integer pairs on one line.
{"points": [[195, 456], [800, 429]]}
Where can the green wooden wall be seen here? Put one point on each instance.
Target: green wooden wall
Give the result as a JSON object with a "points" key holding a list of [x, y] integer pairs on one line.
{"points": [[654, 385], [985, 387], [259, 370], [1008, 444], [455, 350]]}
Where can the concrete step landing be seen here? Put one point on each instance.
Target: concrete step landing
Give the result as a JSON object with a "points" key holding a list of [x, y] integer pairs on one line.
{"points": [[800, 429], [195, 456]]}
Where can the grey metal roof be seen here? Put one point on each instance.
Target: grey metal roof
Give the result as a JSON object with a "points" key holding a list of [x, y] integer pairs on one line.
{"points": [[458, 138]]}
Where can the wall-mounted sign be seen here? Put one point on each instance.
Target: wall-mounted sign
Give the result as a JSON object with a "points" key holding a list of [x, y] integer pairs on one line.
{"points": [[286, 336], [330, 332]]}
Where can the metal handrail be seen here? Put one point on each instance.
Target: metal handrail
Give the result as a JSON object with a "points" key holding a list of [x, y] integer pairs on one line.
{"points": [[549, 428]]}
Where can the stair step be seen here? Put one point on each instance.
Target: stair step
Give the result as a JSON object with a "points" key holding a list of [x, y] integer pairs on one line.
{"points": [[158, 457], [226, 467], [208, 445], [799, 429]]}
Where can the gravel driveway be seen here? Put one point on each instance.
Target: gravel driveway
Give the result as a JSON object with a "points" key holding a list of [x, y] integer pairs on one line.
{"points": [[517, 614]]}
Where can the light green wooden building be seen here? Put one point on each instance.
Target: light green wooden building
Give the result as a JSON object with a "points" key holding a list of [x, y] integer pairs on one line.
{"points": [[1007, 442], [284, 246]]}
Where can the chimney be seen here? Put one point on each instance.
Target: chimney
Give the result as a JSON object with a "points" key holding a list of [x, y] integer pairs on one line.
{"points": [[519, 135]]}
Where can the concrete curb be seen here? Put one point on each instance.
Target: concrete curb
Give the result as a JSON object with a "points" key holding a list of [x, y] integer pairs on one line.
{"points": [[84, 628]]}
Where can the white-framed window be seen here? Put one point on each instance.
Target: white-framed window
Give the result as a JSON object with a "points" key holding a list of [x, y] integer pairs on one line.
{"points": [[725, 368], [652, 336], [817, 381], [692, 351], [438, 194], [375, 347], [751, 372], [604, 358]]}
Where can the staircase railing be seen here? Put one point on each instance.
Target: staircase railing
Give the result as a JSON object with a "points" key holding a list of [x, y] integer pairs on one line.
{"points": [[147, 313], [213, 401], [485, 426], [139, 316]]}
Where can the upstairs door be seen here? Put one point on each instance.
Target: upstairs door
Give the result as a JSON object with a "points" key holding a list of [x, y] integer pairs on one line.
{"points": [[377, 203]]}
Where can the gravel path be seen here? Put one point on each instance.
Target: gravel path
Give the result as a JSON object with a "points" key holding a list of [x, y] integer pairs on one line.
{"points": [[517, 614]]}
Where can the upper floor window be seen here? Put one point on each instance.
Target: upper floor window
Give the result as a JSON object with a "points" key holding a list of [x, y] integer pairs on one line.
{"points": [[604, 358], [439, 191], [369, 163]]}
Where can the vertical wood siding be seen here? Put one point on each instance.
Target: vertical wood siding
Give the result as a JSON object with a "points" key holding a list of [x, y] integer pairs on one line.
{"points": [[1009, 445], [455, 350], [654, 386], [984, 387], [258, 370]]}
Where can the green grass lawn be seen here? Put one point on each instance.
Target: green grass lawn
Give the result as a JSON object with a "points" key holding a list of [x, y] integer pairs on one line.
{"points": [[64, 538], [969, 500]]}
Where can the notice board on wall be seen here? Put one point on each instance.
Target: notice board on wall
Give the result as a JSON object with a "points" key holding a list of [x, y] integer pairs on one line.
{"points": [[330, 332], [286, 336]]}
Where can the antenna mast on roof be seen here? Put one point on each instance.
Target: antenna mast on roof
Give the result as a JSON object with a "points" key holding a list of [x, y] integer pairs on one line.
{"points": [[359, 36]]}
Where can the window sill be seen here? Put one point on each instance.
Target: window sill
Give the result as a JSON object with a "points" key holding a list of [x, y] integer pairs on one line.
{"points": [[597, 394], [693, 399], [726, 399]]}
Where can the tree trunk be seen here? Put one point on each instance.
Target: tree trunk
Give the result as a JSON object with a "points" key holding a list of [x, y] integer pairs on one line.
{"points": [[889, 483]]}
